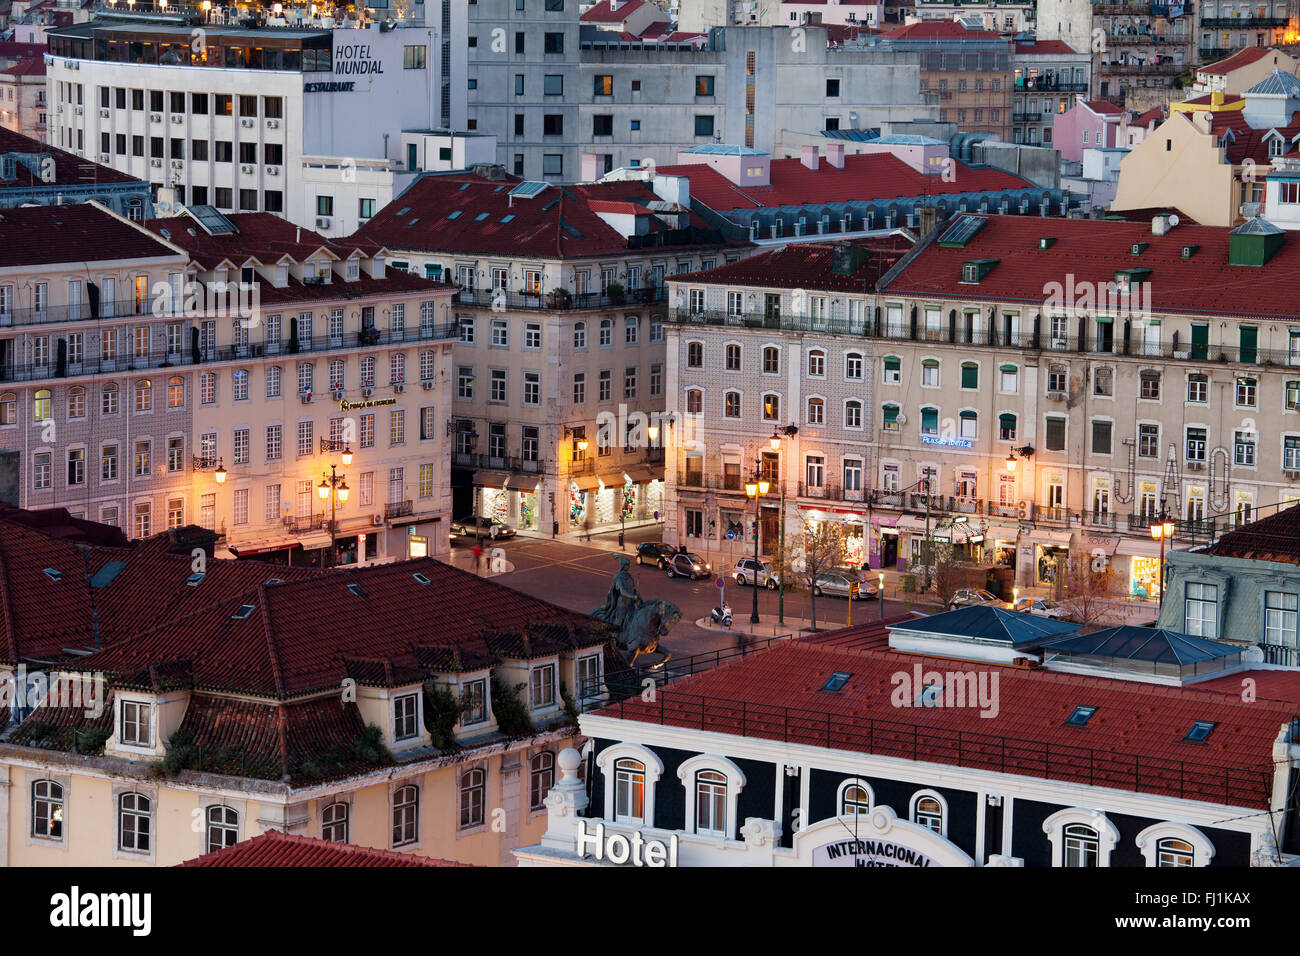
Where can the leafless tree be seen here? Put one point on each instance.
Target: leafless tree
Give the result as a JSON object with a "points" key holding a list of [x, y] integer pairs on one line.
{"points": [[949, 570], [1088, 594], [820, 547]]}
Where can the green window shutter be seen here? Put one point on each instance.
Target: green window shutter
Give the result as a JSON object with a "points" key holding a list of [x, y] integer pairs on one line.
{"points": [[891, 416], [1200, 342], [929, 420], [893, 363], [1249, 342], [1105, 319], [1007, 421], [970, 375], [967, 414], [1008, 368]]}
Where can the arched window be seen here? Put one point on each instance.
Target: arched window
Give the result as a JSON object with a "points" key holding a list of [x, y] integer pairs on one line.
{"points": [[889, 417], [334, 822], [133, 822], [223, 828], [731, 405], [817, 363], [733, 358], [771, 360], [43, 405], [541, 777], [854, 798], [771, 407], [929, 420], [1172, 852], [629, 791], [1149, 379], [473, 787], [1007, 427], [76, 402], [144, 395], [710, 803], [694, 401], [108, 399], [893, 370], [930, 373], [1082, 845], [406, 815], [853, 413], [853, 366], [695, 355], [928, 810], [970, 375], [176, 389], [579, 335], [47, 810], [816, 411], [8, 409], [969, 422]]}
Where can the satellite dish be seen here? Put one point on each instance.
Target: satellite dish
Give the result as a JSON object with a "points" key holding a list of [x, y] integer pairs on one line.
{"points": [[900, 418], [1173, 220]]}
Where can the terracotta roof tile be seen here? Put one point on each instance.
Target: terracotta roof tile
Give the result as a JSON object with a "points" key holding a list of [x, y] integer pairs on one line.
{"points": [[274, 848], [1275, 538], [1236, 61], [35, 235], [69, 169]]}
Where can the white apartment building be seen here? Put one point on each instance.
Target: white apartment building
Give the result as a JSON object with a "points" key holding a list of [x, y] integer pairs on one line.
{"points": [[559, 357], [242, 119], [1007, 400]]}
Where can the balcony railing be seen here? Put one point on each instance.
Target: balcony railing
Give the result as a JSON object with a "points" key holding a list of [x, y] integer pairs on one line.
{"points": [[487, 298], [964, 748], [1150, 69], [1278, 654], [1245, 23], [161, 358], [1210, 53], [398, 509]]}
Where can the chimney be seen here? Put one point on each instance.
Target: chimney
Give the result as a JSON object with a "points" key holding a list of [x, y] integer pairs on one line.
{"points": [[808, 156], [590, 163], [929, 219], [1203, 121], [835, 155], [1159, 225]]}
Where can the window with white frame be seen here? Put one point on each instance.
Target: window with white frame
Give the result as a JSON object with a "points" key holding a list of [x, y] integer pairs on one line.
{"points": [[928, 811], [855, 797], [222, 827], [1280, 618], [541, 778], [629, 791], [473, 790], [334, 822], [406, 815], [541, 683], [135, 728], [406, 716], [1201, 609], [134, 822], [47, 810], [710, 803]]}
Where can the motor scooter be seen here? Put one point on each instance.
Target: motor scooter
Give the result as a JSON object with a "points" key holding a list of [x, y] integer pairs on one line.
{"points": [[721, 615]]}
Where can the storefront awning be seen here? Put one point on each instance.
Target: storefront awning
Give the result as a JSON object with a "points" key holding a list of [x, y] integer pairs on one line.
{"points": [[1140, 547], [315, 540], [1093, 543], [640, 473], [275, 543], [1002, 532], [913, 524], [490, 479], [884, 521], [586, 482], [522, 482], [424, 518], [613, 480], [1057, 539]]}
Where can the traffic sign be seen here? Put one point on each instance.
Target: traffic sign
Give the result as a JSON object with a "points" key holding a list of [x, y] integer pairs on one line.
{"points": [[721, 582]]}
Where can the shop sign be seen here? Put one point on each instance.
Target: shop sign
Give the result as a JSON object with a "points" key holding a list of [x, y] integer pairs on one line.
{"points": [[947, 442], [618, 848], [345, 406]]}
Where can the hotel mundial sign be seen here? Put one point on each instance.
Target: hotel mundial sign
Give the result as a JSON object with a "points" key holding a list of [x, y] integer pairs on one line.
{"points": [[350, 59], [618, 848]]}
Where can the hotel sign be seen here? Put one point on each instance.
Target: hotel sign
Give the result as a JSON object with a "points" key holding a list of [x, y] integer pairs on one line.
{"points": [[868, 853], [618, 848], [346, 406]]}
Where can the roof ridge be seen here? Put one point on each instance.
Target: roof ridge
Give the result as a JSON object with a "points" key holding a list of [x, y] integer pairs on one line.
{"points": [[6, 604], [272, 651]]}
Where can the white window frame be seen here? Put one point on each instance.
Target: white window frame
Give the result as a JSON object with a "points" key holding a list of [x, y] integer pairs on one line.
{"points": [[843, 788], [943, 811], [735, 784], [654, 769], [1148, 841], [1107, 834]]}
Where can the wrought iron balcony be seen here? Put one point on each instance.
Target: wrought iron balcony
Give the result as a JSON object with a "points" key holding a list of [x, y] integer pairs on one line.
{"points": [[398, 509]]}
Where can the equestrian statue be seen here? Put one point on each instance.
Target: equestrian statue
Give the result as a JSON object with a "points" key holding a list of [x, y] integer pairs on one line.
{"points": [[639, 623]]}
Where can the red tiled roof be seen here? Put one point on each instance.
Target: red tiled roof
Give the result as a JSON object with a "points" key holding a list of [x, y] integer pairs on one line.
{"points": [[602, 13], [933, 30], [69, 169], [262, 236], [1242, 141], [1236, 61], [1092, 251], [41, 614], [1156, 115], [1275, 538], [865, 176], [1048, 47], [279, 649], [274, 848], [1103, 107], [11, 50], [808, 265], [1135, 740], [34, 235], [1207, 99], [559, 222], [31, 67]]}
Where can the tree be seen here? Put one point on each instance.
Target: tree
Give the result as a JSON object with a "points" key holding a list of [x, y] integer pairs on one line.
{"points": [[949, 570], [1088, 589], [820, 546]]}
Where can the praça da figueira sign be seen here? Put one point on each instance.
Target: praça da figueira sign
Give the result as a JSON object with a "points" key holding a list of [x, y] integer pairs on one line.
{"points": [[346, 406]]}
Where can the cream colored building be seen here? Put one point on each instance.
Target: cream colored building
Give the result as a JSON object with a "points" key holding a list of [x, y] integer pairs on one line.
{"points": [[337, 355], [559, 358], [1002, 400], [1242, 70], [22, 98], [280, 721]]}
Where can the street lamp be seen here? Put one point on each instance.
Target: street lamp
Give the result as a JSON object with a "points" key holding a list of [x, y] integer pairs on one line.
{"points": [[338, 485], [789, 431], [1160, 531], [755, 489], [220, 473], [880, 593]]}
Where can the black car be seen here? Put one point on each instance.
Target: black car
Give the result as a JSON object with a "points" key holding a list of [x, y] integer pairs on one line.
{"points": [[471, 526], [688, 566], [654, 552]]}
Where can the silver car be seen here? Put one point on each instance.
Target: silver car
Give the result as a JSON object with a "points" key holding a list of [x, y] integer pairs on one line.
{"points": [[749, 571], [837, 584], [966, 597]]}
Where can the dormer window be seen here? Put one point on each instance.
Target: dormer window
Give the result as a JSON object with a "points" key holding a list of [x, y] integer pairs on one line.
{"points": [[406, 716], [281, 276], [354, 270], [541, 684], [247, 275], [473, 696], [1276, 147], [135, 726]]}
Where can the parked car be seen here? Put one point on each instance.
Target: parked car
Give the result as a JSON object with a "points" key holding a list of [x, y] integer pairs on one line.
{"points": [[688, 566], [748, 571], [966, 597], [837, 584], [1039, 607], [654, 552], [474, 525]]}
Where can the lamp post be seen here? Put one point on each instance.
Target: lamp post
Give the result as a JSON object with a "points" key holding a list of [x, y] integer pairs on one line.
{"points": [[755, 489], [789, 431], [337, 484], [880, 594], [1161, 530]]}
